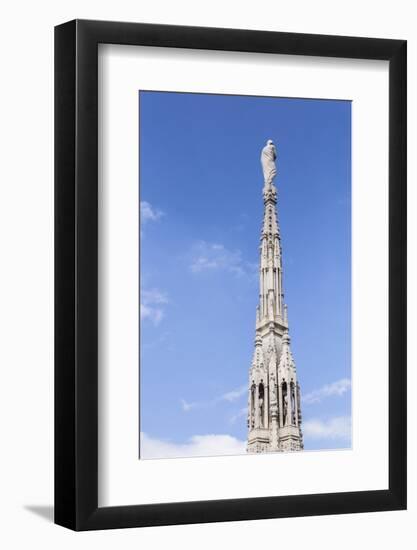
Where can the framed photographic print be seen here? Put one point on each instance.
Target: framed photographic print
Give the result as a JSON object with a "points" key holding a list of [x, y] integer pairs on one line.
{"points": [[230, 338]]}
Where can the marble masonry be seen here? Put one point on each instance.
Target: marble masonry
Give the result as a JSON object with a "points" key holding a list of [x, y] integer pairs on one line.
{"points": [[274, 405]]}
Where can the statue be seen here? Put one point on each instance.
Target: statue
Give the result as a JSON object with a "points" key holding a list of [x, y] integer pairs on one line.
{"points": [[261, 396], [285, 407], [273, 388], [268, 158]]}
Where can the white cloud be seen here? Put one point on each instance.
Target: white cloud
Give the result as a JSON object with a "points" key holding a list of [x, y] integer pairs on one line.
{"points": [[154, 314], [150, 306], [234, 394], [153, 296], [338, 427], [149, 213], [186, 406], [213, 256], [338, 388], [230, 397], [197, 445]]}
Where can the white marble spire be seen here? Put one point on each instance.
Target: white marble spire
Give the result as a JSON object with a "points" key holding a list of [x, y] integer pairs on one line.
{"points": [[274, 411]]}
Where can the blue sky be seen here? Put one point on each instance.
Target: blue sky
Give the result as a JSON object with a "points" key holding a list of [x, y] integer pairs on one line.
{"points": [[201, 213]]}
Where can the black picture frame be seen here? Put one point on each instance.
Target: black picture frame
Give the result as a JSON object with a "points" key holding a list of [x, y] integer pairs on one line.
{"points": [[76, 274]]}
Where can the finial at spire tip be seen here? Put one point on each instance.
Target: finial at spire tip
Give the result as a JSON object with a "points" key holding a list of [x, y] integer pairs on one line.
{"points": [[268, 158]]}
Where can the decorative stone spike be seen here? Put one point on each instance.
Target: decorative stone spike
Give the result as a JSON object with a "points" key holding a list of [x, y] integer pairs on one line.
{"points": [[274, 406]]}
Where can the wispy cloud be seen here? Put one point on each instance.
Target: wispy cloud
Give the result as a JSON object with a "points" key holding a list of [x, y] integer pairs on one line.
{"points": [[239, 414], [152, 313], [151, 304], [197, 445], [338, 388], [215, 256], [338, 427], [186, 406], [230, 397], [154, 296], [234, 394], [149, 212]]}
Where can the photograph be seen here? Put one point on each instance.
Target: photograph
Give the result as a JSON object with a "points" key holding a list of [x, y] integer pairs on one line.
{"points": [[209, 264], [245, 274]]}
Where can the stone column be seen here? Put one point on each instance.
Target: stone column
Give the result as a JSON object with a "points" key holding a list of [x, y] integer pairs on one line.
{"points": [[279, 297], [274, 428], [271, 305], [251, 404], [277, 293], [257, 406], [296, 404], [280, 406], [266, 406]]}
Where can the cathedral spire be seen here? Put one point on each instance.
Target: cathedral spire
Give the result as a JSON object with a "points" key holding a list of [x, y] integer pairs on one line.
{"points": [[274, 412], [271, 303]]}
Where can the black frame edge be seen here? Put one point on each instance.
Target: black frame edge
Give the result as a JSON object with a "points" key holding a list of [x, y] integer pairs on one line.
{"points": [[398, 274], [76, 373], [241, 509], [65, 346]]}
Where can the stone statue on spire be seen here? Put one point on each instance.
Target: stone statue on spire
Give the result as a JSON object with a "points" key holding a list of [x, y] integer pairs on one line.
{"points": [[268, 158]]}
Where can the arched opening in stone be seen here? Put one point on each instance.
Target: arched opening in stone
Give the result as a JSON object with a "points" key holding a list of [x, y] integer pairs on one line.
{"points": [[261, 404], [284, 402]]}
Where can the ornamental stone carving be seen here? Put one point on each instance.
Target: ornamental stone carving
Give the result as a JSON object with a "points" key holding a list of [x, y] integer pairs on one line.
{"points": [[274, 412]]}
